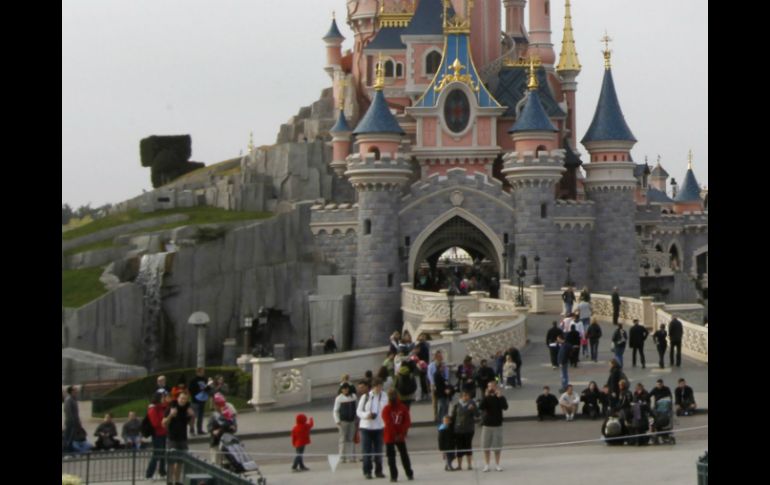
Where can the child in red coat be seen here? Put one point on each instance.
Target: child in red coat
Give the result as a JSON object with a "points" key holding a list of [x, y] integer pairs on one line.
{"points": [[300, 437], [395, 416]]}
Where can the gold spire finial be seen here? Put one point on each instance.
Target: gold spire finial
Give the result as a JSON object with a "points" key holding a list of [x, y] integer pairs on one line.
{"points": [[658, 159], [334, 16], [607, 52], [568, 59], [689, 160], [343, 85], [251, 141], [532, 85], [379, 76]]}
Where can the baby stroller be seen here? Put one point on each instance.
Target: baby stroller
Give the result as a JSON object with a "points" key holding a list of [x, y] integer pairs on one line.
{"points": [[639, 424], [663, 420], [236, 458]]}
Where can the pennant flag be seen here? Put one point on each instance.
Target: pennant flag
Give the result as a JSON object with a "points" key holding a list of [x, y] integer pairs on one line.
{"points": [[334, 460]]}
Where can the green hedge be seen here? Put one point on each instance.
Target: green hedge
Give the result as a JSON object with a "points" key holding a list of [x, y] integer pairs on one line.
{"points": [[239, 384]]}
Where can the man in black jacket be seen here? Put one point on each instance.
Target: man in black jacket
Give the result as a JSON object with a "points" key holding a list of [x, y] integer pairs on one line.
{"points": [[615, 305], [675, 332], [492, 407], [684, 399], [568, 297], [550, 341], [484, 375], [637, 336], [546, 404], [660, 391]]}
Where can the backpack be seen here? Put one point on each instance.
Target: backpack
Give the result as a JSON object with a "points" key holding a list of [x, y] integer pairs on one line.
{"points": [[613, 427], [348, 411], [406, 385], [148, 430]]}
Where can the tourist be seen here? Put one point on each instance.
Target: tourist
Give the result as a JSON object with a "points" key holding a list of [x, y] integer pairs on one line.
{"points": [[438, 359], [660, 391], [345, 418], [71, 417], [684, 399], [568, 402], [509, 372], [619, 339], [546, 404], [465, 373], [330, 346], [370, 413], [107, 434], [568, 297], [616, 374], [637, 335], [550, 341], [222, 420], [155, 413], [178, 416], [573, 339], [405, 384], [615, 305], [463, 414], [131, 432], [675, 333], [442, 391], [484, 375], [516, 355], [396, 421], [199, 390], [446, 442], [300, 438], [492, 405], [564, 353], [591, 397], [659, 338], [593, 334], [641, 394]]}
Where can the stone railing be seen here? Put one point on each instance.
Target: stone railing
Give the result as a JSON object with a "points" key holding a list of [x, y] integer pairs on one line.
{"points": [[428, 312], [690, 312], [298, 381], [695, 337]]}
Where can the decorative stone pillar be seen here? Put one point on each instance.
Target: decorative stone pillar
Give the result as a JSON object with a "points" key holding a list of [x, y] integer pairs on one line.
{"points": [[262, 391], [649, 320], [538, 299], [455, 351]]}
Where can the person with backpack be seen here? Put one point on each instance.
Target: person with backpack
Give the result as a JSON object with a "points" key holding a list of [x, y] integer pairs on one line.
{"points": [[345, 417], [619, 339], [157, 432], [396, 420], [405, 384]]}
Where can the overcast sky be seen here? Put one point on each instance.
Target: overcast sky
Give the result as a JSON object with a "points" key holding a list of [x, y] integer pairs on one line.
{"points": [[218, 70]]}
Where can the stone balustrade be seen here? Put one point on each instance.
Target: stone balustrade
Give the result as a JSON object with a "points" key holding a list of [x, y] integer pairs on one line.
{"points": [[695, 337]]}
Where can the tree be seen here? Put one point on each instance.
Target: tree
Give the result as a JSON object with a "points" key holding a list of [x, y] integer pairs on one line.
{"points": [[66, 214]]}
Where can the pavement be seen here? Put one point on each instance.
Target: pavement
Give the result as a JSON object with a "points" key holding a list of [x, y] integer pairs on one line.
{"points": [[536, 372]]}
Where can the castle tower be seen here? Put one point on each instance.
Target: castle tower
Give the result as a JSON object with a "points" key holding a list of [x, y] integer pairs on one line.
{"points": [[340, 133], [378, 173], [658, 177], [532, 170], [333, 40], [688, 198], [485, 31], [540, 32], [611, 184], [514, 18]]}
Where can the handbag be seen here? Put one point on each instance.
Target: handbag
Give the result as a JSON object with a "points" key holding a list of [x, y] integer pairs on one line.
{"points": [[357, 437], [583, 342]]}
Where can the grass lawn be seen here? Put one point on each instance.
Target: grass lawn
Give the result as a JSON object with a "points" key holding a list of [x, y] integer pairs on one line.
{"points": [[79, 286], [196, 215], [107, 243], [139, 406]]}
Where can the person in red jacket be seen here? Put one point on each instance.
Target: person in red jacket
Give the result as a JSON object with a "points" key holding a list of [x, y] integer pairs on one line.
{"points": [[395, 415], [300, 437], [155, 414]]}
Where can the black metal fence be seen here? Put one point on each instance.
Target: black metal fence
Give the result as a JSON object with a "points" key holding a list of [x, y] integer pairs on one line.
{"points": [[130, 466]]}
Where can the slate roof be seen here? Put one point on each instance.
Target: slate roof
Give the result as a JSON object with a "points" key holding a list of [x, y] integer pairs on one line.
{"points": [[512, 85], [378, 118], [532, 117], [690, 190], [427, 19], [658, 196], [334, 32], [387, 38], [608, 123], [341, 125]]}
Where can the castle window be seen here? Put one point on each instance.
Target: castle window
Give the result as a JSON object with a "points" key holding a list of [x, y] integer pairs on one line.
{"points": [[432, 62], [399, 70], [540, 148], [543, 211], [605, 158], [407, 241], [376, 152], [457, 111], [615, 158], [367, 226], [389, 68], [390, 280]]}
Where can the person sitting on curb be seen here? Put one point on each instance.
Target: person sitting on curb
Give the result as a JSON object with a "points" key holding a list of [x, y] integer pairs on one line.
{"points": [[569, 403], [546, 404], [684, 399]]}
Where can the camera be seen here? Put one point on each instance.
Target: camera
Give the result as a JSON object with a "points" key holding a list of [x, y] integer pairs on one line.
{"points": [[374, 415]]}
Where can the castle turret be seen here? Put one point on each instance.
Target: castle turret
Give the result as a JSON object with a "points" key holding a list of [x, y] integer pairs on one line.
{"points": [[540, 32], [485, 31], [688, 199], [340, 133], [514, 18], [378, 173], [333, 40], [658, 177], [611, 184], [532, 170]]}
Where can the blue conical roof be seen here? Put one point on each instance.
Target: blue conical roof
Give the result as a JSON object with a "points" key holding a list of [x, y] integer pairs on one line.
{"points": [[608, 123], [341, 125], [532, 117], [378, 118], [690, 190], [334, 32]]}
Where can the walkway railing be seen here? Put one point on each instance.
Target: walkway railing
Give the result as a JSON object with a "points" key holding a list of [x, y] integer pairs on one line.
{"points": [[130, 466]]}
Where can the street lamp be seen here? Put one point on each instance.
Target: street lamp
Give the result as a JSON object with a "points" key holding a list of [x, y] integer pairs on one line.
{"points": [[450, 296], [199, 320], [248, 322], [521, 274], [646, 267], [262, 326], [569, 280], [537, 270]]}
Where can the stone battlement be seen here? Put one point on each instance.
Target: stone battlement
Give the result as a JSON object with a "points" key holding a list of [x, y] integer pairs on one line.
{"points": [[457, 177]]}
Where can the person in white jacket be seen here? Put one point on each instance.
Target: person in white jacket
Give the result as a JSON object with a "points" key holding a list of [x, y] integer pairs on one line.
{"points": [[345, 410], [569, 403], [371, 425]]}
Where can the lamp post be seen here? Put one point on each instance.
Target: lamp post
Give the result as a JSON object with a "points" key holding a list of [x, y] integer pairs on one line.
{"points": [[537, 280], [450, 296], [199, 320], [248, 322], [262, 325], [646, 267], [521, 274], [568, 282]]}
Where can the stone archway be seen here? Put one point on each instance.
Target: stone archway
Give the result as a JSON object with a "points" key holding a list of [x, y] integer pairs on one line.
{"points": [[456, 227]]}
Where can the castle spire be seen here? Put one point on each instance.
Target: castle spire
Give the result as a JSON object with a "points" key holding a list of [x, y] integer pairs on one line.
{"points": [[607, 52], [689, 159], [251, 141], [568, 59], [532, 84], [379, 77]]}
